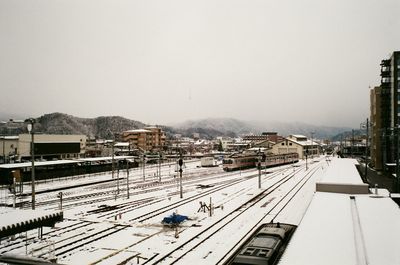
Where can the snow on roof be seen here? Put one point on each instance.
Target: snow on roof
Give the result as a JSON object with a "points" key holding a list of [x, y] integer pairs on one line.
{"points": [[261, 149], [9, 137], [343, 171], [337, 229], [11, 218], [302, 143], [298, 136], [62, 162], [121, 144], [37, 164], [201, 142], [138, 131], [94, 159]]}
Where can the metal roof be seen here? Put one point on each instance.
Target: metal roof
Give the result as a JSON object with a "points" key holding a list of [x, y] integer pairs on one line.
{"points": [[13, 221], [37, 164], [346, 229]]}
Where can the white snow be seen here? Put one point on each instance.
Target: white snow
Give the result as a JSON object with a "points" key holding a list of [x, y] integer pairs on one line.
{"points": [[38, 164], [10, 216], [342, 171], [344, 228], [325, 235]]}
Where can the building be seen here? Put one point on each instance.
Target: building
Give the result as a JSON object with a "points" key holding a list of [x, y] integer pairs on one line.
{"points": [[385, 113], [47, 147], [146, 139], [265, 136], [52, 146], [296, 144], [376, 99], [225, 142], [9, 147]]}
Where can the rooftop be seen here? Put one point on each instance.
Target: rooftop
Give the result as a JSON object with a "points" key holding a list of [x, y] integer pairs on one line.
{"points": [[14, 221], [346, 229], [138, 131]]}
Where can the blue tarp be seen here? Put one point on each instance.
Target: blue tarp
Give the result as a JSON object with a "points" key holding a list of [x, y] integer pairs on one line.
{"points": [[174, 219]]}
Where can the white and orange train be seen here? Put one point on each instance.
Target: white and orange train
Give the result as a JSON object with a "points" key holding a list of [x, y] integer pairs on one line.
{"points": [[243, 161]]}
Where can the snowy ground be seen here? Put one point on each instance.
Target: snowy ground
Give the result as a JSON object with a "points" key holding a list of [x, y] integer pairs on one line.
{"points": [[103, 226]]}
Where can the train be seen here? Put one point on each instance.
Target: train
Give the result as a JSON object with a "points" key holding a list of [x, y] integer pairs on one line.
{"points": [[244, 161], [62, 168], [265, 246]]}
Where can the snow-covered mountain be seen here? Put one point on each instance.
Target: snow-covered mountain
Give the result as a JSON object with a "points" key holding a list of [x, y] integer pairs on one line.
{"points": [[60, 123], [105, 127], [238, 127]]}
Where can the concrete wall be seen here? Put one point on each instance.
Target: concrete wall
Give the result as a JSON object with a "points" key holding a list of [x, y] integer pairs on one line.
{"points": [[343, 188]]}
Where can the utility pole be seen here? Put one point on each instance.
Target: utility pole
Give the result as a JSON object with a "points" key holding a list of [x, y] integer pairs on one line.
{"points": [[259, 168], [159, 166], [341, 146], [312, 145], [306, 159], [144, 166], [14, 193], [60, 195], [127, 178], [4, 151], [118, 162], [352, 142], [112, 160], [180, 163]]}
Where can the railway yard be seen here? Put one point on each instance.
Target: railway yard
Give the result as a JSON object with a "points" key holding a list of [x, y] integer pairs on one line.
{"points": [[104, 225]]}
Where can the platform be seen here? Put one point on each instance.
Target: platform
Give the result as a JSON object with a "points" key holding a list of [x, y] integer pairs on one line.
{"points": [[14, 221]]}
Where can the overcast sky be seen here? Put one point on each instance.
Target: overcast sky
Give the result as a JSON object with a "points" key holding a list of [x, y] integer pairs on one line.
{"points": [[169, 61]]}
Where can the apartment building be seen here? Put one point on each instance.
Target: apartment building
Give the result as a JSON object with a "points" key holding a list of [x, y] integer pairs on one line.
{"points": [[146, 139], [385, 113]]}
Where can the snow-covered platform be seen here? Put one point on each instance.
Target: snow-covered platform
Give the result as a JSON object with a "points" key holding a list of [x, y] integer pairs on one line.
{"points": [[13, 221], [346, 229], [342, 177]]}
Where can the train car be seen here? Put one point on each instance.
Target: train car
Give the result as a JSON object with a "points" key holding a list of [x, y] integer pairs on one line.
{"points": [[239, 161], [265, 246], [275, 160]]}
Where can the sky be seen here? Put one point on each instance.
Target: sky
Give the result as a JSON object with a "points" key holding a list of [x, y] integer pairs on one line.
{"points": [[163, 62]]}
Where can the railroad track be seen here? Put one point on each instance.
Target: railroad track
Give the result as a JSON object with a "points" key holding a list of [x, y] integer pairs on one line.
{"points": [[195, 241], [81, 241], [299, 186], [69, 244], [111, 193]]}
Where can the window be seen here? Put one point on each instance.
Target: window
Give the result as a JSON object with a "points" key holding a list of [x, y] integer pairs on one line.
{"points": [[282, 143], [290, 143]]}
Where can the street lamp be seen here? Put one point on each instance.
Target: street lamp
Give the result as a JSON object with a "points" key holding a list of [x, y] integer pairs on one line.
{"points": [[31, 130]]}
